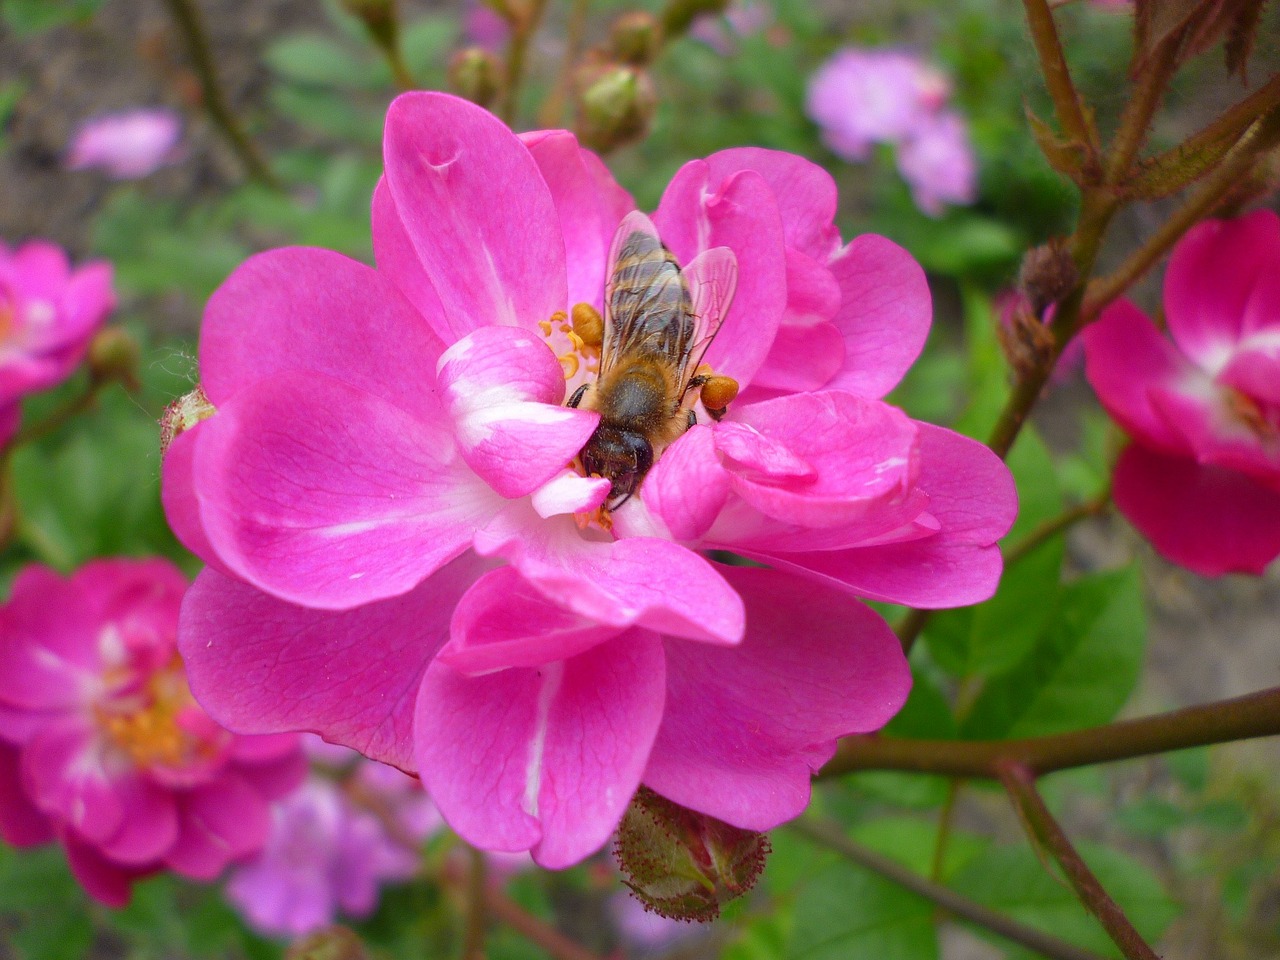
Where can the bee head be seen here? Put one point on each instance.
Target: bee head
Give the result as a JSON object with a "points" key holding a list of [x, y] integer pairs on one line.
{"points": [[622, 456]]}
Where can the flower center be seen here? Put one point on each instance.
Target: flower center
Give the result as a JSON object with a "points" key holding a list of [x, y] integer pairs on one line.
{"points": [[576, 341], [1260, 420], [159, 724]]}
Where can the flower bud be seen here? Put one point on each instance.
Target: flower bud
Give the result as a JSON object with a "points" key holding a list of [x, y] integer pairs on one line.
{"points": [[332, 943], [113, 355], [615, 104], [474, 73], [635, 38], [682, 864], [1047, 275], [183, 414]]}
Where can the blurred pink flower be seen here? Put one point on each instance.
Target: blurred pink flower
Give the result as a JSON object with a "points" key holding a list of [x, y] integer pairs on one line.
{"points": [[333, 842], [48, 314], [1201, 479], [421, 577], [863, 97], [104, 747], [938, 164], [483, 27], [644, 929], [722, 31], [127, 145]]}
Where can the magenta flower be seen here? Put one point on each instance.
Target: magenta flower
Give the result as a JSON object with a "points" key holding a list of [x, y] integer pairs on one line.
{"points": [[330, 848], [127, 145], [10, 418], [104, 748], [938, 164], [48, 314], [402, 561], [1201, 479], [863, 97]]}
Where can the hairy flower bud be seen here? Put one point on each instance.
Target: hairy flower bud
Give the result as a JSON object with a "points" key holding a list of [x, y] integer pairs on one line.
{"points": [[474, 73], [183, 414], [1047, 275], [635, 38], [113, 355], [332, 943], [682, 864], [615, 104]]}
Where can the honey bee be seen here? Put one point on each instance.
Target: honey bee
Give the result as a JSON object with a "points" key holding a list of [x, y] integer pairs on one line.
{"points": [[659, 320]]}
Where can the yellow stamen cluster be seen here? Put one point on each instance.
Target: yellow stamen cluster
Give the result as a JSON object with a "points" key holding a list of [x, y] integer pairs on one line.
{"points": [[582, 351], [150, 732], [1246, 410]]}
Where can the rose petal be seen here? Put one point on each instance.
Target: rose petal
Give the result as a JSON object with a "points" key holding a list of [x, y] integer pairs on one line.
{"points": [[21, 824], [542, 759]]}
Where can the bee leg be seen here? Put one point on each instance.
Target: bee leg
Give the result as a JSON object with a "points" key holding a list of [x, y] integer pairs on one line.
{"points": [[577, 396], [693, 419]]}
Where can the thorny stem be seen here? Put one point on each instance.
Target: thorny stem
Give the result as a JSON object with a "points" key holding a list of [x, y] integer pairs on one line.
{"points": [[1055, 525], [187, 17], [1141, 107], [1242, 718], [477, 879], [522, 29], [1045, 832], [832, 837], [1057, 76], [552, 111], [1263, 135]]}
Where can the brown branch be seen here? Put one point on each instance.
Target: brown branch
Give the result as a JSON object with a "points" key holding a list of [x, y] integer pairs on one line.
{"points": [[1057, 76], [187, 17], [1135, 121], [1045, 832], [477, 878], [1055, 525], [534, 930], [833, 838], [1243, 718]]}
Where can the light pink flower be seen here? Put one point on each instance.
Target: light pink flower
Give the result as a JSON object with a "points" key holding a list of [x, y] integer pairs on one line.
{"points": [[333, 843], [127, 145], [104, 747], [401, 561], [863, 97], [1202, 478], [722, 31], [48, 314], [483, 27], [938, 164]]}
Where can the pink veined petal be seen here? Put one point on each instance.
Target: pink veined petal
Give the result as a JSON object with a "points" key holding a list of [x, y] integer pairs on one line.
{"points": [[64, 770], [688, 487], [219, 822], [21, 824], [397, 259], [699, 213], [502, 621], [543, 759], [808, 350], [805, 192], [276, 778], [1212, 275], [570, 492], [478, 212], [631, 582], [1254, 368], [1125, 355], [149, 827], [589, 204], [503, 387], [1216, 433], [329, 497], [884, 316], [306, 310], [106, 882], [972, 500], [1208, 519], [860, 457], [746, 727], [259, 665]]}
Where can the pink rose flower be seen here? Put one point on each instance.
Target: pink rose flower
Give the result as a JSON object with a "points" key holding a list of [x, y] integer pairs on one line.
{"points": [[863, 97], [401, 561], [104, 748], [333, 843], [938, 164], [127, 145], [48, 314], [1201, 479]]}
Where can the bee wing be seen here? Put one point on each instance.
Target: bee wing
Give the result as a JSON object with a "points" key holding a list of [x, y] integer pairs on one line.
{"points": [[712, 277], [647, 303]]}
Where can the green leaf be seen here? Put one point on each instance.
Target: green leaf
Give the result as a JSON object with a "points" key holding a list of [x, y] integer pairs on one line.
{"points": [[926, 714], [1014, 881], [912, 843], [846, 911], [1081, 670], [425, 46], [33, 16], [319, 60]]}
